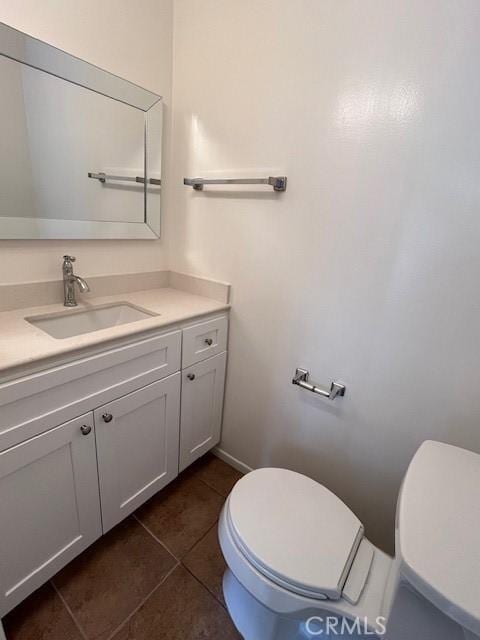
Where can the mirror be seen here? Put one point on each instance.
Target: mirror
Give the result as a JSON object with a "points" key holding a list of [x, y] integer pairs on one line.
{"points": [[81, 148]]}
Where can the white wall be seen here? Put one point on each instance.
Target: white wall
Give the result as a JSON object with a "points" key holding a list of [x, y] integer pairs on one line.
{"points": [[367, 268], [133, 40]]}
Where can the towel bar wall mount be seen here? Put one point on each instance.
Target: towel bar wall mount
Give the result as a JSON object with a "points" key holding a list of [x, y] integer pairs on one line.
{"points": [[279, 183]]}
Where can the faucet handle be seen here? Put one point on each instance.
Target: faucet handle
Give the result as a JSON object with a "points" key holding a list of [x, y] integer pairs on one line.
{"points": [[69, 258]]}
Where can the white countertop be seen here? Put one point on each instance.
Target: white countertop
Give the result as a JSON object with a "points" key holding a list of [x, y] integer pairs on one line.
{"points": [[22, 345]]}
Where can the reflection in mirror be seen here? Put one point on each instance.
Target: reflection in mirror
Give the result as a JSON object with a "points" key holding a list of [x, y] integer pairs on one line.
{"points": [[74, 160]]}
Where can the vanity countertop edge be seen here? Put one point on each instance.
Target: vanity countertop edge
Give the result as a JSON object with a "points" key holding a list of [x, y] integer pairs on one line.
{"points": [[25, 348]]}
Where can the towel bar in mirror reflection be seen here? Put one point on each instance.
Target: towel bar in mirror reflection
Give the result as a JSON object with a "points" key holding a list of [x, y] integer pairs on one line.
{"points": [[106, 177]]}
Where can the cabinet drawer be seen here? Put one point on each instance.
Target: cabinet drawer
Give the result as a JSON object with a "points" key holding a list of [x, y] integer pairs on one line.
{"points": [[35, 403], [204, 340]]}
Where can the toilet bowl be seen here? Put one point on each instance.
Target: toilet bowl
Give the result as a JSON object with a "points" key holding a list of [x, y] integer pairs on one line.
{"points": [[299, 565], [297, 555]]}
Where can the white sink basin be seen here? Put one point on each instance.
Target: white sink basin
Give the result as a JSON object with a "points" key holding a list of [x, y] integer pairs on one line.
{"points": [[74, 323]]}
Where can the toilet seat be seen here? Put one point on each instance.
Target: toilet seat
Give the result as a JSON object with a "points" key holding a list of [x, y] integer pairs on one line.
{"points": [[294, 531]]}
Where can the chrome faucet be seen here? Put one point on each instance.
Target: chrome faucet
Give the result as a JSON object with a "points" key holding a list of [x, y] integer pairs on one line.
{"points": [[69, 280]]}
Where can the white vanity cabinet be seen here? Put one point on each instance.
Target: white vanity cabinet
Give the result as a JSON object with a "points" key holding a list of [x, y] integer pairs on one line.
{"points": [[85, 443], [202, 404], [204, 359], [49, 506], [137, 447]]}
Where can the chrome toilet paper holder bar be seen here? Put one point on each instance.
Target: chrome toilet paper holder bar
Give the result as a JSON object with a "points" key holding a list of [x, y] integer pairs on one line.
{"points": [[301, 379]]}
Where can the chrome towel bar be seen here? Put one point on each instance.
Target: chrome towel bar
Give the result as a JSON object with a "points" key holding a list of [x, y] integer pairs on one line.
{"points": [[279, 183], [103, 177], [301, 379]]}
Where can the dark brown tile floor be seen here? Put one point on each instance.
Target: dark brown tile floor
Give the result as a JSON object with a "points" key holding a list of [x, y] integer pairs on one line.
{"points": [[157, 575]]}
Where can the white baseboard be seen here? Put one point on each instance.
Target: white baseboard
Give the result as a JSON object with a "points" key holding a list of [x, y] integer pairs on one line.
{"points": [[233, 462]]}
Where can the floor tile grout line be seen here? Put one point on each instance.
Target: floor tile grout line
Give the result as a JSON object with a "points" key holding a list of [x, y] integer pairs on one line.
{"points": [[198, 474], [69, 610], [204, 586], [162, 544], [213, 489], [202, 537], [182, 562], [138, 607]]}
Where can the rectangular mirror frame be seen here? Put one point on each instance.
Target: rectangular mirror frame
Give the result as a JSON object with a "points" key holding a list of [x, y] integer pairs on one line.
{"points": [[27, 50]]}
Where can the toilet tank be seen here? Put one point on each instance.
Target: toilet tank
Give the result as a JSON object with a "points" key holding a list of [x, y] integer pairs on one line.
{"points": [[434, 587]]}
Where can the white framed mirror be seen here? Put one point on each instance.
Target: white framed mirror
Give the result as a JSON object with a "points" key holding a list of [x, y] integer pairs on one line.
{"points": [[81, 147]]}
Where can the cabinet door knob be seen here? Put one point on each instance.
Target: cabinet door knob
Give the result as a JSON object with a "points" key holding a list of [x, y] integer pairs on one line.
{"points": [[107, 417], [209, 341], [85, 429], [191, 376]]}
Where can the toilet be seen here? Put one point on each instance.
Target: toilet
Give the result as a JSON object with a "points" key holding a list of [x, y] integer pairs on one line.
{"points": [[299, 565]]}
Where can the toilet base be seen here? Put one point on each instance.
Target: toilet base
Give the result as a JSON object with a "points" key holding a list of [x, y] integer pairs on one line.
{"points": [[253, 620]]}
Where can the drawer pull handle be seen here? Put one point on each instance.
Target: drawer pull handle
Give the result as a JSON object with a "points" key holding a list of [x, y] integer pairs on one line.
{"points": [[191, 376], [85, 429], [107, 417], [209, 341]]}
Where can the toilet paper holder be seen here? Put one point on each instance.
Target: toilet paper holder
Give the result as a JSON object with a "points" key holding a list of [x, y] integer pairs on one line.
{"points": [[302, 380]]}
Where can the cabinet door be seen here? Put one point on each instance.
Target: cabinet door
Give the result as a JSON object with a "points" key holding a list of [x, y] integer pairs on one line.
{"points": [[49, 506], [202, 404], [137, 447]]}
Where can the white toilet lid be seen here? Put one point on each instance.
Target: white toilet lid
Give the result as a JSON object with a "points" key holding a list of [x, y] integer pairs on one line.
{"points": [[294, 531], [438, 530]]}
